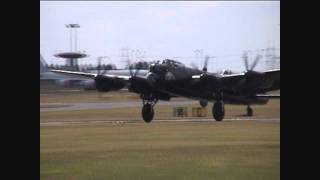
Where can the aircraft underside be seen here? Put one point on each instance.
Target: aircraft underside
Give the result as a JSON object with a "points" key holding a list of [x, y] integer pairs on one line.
{"points": [[211, 96], [219, 100]]}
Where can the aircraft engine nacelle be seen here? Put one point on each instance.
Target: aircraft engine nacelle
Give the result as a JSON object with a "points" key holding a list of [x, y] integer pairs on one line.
{"points": [[254, 75], [105, 84], [63, 82], [152, 78], [67, 83], [253, 80], [89, 85]]}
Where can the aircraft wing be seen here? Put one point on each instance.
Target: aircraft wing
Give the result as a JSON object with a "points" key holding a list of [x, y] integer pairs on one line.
{"points": [[269, 96], [109, 79], [260, 81], [74, 73], [111, 82], [253, 81], [270, 73], [91, 75]]}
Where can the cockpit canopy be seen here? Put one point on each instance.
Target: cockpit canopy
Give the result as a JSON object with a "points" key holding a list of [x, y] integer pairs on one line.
{"points": [[173, 63], [226, 72]]}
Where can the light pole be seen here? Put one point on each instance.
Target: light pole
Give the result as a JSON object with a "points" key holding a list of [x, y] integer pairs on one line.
{"points": [[73, 62], [71, 27]]}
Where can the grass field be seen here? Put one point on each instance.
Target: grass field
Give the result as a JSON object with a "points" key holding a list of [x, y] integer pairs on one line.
{"points": [[228, 150]]}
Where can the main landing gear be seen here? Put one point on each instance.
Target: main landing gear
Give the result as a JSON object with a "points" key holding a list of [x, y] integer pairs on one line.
{"points": [[249, 111], [218, 110], [218, 107], [147, 109]]}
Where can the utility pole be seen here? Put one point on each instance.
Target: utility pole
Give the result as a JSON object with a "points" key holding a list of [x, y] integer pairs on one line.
{"points": [[199, 55], [124, 56], [270, 56], [207, 58]]}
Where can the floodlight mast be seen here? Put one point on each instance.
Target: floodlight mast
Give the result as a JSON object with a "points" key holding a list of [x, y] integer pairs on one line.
{"points": [[71, 27]]}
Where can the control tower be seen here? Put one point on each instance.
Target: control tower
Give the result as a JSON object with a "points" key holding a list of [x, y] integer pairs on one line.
{"points": [[73, 55]]}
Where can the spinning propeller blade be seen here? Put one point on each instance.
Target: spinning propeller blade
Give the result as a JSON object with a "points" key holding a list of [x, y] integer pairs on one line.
{"points": [[99, 72], [245, 59], [256, 60], [132, 72], [246, 62], [99, 67], [205, 65]]}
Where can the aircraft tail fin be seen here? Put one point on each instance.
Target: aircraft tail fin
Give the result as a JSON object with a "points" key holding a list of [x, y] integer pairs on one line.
{"points": [[43, 64]]}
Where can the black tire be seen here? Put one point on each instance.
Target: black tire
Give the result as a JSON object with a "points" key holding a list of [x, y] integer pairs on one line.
{"points": [[218, 111], [203, 103], [147, 113], [249, 111]]}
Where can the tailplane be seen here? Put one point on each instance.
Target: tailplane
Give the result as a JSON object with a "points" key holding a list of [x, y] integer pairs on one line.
{"points": [[43, 65]]}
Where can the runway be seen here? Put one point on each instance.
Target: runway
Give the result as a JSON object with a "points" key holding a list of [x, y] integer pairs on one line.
{"points": [[46, 107], [108, 118], [121, 122]]}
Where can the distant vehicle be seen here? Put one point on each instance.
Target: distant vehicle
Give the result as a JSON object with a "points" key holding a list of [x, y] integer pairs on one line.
{"points": [[173, 79]]}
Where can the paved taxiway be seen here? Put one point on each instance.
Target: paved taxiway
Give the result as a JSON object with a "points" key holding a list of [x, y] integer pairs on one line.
{"points": [[117, 122], [51, 107]]}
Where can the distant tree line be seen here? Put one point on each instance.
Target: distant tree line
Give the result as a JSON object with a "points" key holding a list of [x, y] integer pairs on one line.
{"points": [[84, 68], [88, 67]]}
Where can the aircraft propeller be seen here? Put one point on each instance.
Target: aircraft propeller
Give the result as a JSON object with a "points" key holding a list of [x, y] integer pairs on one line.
{"points": [[251, 76], [133, 73], [205, 64], [99, 72], [254, 64]]}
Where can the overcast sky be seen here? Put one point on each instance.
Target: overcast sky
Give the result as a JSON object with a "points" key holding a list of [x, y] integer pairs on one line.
{"points": [[161, 29]]}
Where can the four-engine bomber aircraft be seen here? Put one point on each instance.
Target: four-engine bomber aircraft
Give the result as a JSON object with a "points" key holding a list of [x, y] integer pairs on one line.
{"points": [[173, 79]]}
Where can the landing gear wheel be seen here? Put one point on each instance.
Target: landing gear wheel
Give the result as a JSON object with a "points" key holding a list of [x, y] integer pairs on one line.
{"points": [[218, 111], [147, 113], [249, 111]]}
